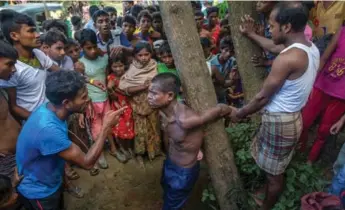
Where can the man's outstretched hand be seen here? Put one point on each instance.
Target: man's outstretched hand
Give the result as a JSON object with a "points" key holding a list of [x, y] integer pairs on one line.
{"points": [[233, 114]]}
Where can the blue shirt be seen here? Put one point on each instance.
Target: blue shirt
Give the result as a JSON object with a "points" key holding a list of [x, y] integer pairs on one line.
{"points": [[42, 137], [90, 25]]}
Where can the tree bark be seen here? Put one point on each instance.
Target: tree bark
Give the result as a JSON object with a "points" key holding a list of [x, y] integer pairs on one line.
{"points": [[179, 25], [252, 77]]}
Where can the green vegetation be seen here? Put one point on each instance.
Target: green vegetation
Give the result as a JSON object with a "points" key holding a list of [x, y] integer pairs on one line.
{"points": [[300, 177]]}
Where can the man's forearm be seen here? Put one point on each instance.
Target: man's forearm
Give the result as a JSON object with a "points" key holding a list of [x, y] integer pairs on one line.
{"points": [[253, 106], [211, 114], [265, 43], [20, 112], [96, 149]]}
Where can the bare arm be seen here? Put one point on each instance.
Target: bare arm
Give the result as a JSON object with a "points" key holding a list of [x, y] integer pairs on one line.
{"points": [[265, 43], [15, 109], [136, 89], [54, 67], [329, 50], [281, 69], [206, 116], [88, 160]]}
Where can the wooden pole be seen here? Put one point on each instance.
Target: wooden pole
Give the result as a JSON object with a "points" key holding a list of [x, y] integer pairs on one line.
{"points": [[179, 25], [252, 77]]}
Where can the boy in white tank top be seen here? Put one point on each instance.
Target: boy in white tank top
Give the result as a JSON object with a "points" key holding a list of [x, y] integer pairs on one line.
{"points": [[283, 95]]}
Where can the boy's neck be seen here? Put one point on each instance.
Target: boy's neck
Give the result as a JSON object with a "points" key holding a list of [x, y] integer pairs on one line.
{"points": [[104, 37], [169, 111], [91, 59], [61, 113], [24, 52]]}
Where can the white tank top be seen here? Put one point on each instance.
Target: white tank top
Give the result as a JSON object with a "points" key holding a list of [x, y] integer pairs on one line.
{"points": [[294, 94]]}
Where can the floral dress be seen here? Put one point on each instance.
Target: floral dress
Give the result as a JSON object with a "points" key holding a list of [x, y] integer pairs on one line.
{"points": [[124, 129]]}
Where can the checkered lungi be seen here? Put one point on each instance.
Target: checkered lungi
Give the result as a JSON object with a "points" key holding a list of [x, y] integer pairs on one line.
{"points": [[7, 165], [273, 146]]}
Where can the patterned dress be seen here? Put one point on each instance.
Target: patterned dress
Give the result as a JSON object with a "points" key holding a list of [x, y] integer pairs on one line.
{"points": [[125, 127]]}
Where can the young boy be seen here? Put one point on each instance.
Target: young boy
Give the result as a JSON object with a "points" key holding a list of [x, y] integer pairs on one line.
{"points": [[145, 24], [127, 35], [167, 61], [157, 24], [95, 69], [54, 47], [183, 138], [72, 50]]}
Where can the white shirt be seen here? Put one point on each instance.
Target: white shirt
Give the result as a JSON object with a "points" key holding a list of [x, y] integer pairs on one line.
{"points": [[30, 82], [65, 64], [294, 94]]}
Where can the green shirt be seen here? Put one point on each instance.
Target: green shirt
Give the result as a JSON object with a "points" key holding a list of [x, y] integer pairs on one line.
{"points": [[95, 69]]}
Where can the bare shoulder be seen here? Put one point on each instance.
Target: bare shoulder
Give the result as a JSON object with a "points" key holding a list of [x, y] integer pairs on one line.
{"points": [[295, 58], [185, 112]]}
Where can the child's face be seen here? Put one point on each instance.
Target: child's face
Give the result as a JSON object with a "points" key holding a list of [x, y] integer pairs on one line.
{"points": [[213, 18], [7, 68], [264, 6], [143, 57], [57, 51], [157, 24], [199, 21], [90, 50], [158, 99], [145, 24], [128, 29], [74, 52], [167, 59], [118, 68], [225, 53], [102, 24]]}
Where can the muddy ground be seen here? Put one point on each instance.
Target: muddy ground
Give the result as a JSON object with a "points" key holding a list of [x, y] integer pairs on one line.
{"points": [[128, 187]]}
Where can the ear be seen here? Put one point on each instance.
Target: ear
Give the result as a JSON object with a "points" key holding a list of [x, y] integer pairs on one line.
{"points": [[14, 36], [45, 48], [171, 96], [286, 28], [66, 103]]}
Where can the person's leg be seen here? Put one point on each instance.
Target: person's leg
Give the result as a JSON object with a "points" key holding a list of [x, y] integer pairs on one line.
{"points": [[334, 110], [275, 186], [315, 104], [340, 162]]}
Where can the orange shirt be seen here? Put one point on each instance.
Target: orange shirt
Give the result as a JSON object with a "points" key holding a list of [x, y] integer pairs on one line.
{"points": [[327, 20]]}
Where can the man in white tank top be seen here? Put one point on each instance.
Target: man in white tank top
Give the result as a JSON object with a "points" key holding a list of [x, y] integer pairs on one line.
{"points": [[283, 95]]}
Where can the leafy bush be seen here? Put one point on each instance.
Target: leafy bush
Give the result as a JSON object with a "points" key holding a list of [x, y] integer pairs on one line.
{"points": [[301, 178]]}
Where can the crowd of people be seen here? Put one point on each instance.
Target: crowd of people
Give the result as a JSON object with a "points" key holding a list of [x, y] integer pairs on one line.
{"points": [[113, 87]]}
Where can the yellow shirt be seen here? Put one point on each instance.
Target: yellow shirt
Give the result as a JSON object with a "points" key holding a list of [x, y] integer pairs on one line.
{"points": [[328, 20], [138, 30]]}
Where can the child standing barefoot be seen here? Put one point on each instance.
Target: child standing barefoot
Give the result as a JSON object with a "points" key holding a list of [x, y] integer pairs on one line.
{"points": [[124, 130], [135, 84]]}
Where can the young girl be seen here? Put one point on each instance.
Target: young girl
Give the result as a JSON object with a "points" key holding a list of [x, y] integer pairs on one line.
{"points": [[124, 130], [135, 83]]}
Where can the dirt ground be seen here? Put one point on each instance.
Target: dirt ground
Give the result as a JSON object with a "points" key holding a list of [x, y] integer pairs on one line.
{"points": [[128, 187]]}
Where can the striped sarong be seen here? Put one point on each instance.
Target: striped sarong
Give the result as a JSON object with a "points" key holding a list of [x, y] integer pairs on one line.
{"points": [[7, 164], [273, 146]]}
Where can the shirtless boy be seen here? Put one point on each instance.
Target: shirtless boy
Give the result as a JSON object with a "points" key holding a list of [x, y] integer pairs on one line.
{"points": [[183, 138]]}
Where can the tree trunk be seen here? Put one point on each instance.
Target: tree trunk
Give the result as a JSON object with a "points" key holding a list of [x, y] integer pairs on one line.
{"points": [[252, 77], [179, 25]]}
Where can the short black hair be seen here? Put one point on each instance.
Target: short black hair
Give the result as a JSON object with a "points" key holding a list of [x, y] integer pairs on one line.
{"points": [[144, 13], [136, 9], [156, 15], [142, 45], [224, 22], [75, 20], [54, 36], [151, 8], [119, 21], [6, 189], [199, 14], [93, 9], [71, 42], [12, 21], [55, 23], [129, 19], [8, 51], [205, 42], [98, 14], [110, 9], [165, 48], [87, 35], [168, 82], [226, 42], [196, 4], [211, 10], [287, 13], [63, 84]]}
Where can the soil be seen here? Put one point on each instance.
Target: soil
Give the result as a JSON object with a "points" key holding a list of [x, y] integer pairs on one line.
{"points": [[128, 187]]}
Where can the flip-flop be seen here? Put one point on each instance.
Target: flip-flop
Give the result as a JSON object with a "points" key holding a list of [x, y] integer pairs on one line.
{"points": [[75, 191], [94, 171], [120, 157], [71, 174]]}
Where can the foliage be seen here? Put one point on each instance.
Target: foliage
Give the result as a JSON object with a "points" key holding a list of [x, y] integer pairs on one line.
{"points": [[301, 178], [223, 7]]}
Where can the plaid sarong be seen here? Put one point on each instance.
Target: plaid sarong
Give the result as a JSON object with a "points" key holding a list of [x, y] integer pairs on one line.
{"points": [[273, 146], [7, 165]]}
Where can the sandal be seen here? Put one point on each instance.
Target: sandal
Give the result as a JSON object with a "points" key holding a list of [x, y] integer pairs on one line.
{"points": [[102, 163], [71, 173], [119, 156], [75, 191], [126, 153], [140, 161], [94, 171]]}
